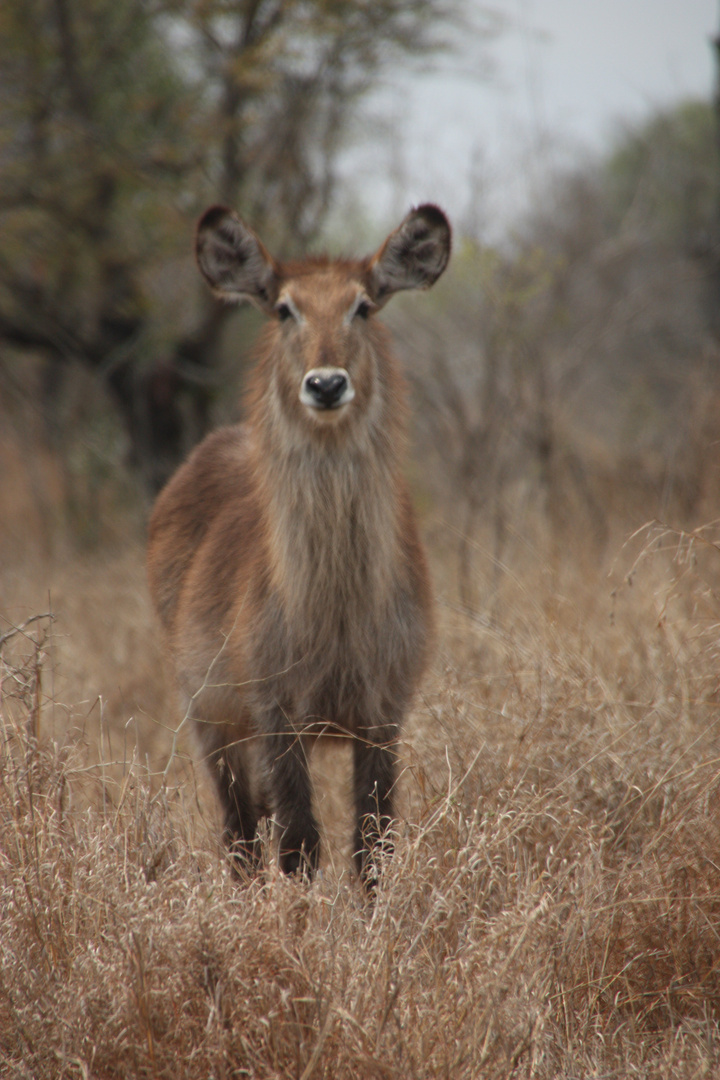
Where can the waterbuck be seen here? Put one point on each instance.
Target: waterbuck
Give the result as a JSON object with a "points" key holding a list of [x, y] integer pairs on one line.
{"points": [[284, 558]]}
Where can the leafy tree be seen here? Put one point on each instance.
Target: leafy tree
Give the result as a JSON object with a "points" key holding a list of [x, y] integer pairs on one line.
{"points": [[119, 121]]}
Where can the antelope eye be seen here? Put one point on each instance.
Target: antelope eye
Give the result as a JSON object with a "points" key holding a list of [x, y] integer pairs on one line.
{"points": [[283, 312], [363, 309]]}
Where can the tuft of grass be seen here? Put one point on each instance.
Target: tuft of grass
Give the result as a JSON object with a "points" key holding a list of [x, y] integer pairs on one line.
{"points": [[552, 908]]}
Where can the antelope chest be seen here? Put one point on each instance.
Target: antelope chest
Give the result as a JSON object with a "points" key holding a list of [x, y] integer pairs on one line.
{"points": [[334, 650]]}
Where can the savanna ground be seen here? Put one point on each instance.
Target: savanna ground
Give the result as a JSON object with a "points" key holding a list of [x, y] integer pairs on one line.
{"points": [[553, 905]]}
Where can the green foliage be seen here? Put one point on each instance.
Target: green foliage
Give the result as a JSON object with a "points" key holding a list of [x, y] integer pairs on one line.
{"points": [[664, 175], [120, 121]]}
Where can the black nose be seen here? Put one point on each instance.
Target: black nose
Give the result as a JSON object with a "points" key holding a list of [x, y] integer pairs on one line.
{"points": [[326, 390]]}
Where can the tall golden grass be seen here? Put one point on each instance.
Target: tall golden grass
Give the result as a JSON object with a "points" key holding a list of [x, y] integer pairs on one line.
{"points": [[553, 905]]}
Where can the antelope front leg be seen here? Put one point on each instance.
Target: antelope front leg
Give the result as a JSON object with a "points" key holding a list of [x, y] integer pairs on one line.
{"points": [[375, 769], [291, 798]]}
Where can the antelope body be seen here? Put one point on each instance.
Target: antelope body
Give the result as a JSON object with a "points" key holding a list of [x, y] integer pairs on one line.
{"points": [[284, 559]]}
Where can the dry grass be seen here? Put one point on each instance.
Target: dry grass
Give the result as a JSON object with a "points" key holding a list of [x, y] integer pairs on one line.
{"points": [[553, 907]]}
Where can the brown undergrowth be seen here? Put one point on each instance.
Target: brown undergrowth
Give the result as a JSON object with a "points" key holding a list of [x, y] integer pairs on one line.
{"points": [[552, 908]]}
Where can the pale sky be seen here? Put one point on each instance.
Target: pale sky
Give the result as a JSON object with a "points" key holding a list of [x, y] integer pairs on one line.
{"points": [[567, 73]]}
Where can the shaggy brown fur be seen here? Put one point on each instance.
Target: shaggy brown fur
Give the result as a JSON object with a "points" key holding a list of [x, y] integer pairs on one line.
{"points": [[284, 559]]}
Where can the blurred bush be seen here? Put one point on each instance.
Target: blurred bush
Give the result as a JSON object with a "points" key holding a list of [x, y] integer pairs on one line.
{"points": [[568, 380]]}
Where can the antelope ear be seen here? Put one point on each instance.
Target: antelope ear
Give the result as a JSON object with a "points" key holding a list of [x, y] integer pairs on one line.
{"points": [[412, 257], [233, 260]]}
